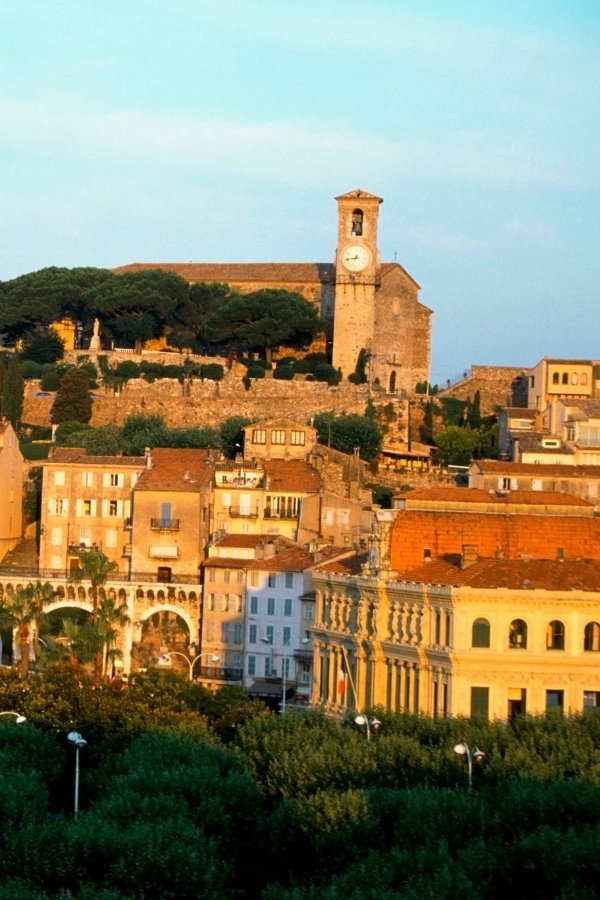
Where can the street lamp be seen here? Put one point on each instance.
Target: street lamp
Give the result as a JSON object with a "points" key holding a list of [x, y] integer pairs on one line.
{"points": [[191, 662], [19, 719], [79, 743], [369, 724], [284, 660], [475, 755]]}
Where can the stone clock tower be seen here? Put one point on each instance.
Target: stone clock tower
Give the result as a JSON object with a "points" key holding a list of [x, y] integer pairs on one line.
{"points": [[357, 276]]}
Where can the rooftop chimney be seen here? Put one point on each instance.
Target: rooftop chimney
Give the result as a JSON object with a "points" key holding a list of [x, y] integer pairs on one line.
{"points": [[469, 555]]}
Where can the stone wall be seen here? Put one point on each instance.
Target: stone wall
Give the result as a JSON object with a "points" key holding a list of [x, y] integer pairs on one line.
{"points": [[498, 386], [200, 402]]}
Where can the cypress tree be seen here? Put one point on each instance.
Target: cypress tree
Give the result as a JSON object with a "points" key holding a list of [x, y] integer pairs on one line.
{"points": [[13, 390], [73, 401]]}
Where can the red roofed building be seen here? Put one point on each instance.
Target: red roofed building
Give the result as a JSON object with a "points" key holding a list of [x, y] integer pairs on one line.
{"points": [[470, 604]]}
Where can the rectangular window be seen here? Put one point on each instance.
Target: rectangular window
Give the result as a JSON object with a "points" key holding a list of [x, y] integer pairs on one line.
{"points": [[226, 575], [116, 480], [226, 499], [305, 673], [309, 611], [254, 579], [278, 437], [240, 576], [113, 507], [59, 479], [289, 579], [251, 665], [86, 507], [480, 701], [285, 667], [253, 606], [210, 631], [269, 670], [297, 438], [272, 580], [56, 537], [59, 507], [259, 436], [591, 700], [287, 606], [252, 634], [270, 634], [110, 537], [211, 574], [210, 602], [287, 636], [225, 632], [270, 606], [87, 479], [237, 633], [555, 701], [224, 604]]}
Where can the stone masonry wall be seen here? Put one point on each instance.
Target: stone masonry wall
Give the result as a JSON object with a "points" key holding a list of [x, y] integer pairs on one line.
{"points": [[200, 402]]}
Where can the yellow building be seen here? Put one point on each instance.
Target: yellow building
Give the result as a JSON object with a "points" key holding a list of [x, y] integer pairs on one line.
{"points": [[460, 633]]}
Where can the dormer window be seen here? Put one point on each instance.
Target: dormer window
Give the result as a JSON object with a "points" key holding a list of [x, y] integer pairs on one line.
{"points": [[357, 223]]}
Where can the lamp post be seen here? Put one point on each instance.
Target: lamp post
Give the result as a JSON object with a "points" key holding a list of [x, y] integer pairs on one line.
{"points": [[192, 662], [369, 724], [19, 719], [79, 743], [284, 660], [475, 755]]}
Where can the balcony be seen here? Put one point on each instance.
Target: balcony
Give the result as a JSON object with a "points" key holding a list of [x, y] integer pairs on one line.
{"points": [[164, 524], [243, 512], [218, 673]]}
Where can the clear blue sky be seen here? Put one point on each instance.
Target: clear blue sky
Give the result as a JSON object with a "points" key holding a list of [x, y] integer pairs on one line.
{"points": [[221, 130]]}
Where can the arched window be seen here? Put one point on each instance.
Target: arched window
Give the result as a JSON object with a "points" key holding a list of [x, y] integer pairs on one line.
{"points": [[357, 223], [565, 378], [481, 633], [555, 635], [574, 378], [591, 636], [393, 383], [555, 378], [517, 634], [584, 378]]}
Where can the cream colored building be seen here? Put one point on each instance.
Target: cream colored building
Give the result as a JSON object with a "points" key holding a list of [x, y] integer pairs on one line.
{"points": [[86, 502], [11, 487], [552, 379], [280, 438]]}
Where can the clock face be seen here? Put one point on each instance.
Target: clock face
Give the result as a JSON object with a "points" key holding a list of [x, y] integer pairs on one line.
{"points": [[355, 258]]}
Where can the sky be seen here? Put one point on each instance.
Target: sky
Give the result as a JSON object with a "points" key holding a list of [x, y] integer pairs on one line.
{"points": [[222, 131]]}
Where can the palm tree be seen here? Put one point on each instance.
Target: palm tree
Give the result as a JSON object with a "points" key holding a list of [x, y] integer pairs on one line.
{"points": [[24, 609], [112, 617], [19, 611], [95, 567]]}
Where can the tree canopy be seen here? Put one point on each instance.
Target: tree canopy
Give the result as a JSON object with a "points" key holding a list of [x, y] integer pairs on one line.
{"points": [[73, 400], [45, 296], [135, 307], [348, 433], [264, 319]]}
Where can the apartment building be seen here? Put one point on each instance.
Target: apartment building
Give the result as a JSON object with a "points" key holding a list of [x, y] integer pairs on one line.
{"points": [[11, 484], [86, 502]]}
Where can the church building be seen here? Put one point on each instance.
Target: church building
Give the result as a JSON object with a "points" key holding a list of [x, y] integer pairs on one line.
{"points": [[371, 309]]}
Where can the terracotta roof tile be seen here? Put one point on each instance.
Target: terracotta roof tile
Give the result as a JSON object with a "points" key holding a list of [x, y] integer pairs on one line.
{"points": [[81, 456], [295, 273], [176, 470], [292, 476], [492, 467], [515, 574], [466, 496]]}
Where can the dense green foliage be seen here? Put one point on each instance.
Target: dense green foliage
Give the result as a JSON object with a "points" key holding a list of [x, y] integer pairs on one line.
{"points": [[189, 794], [13, 391], [349, 432], [43, 345]]}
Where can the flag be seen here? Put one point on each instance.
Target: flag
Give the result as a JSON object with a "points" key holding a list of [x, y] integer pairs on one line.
{"points": [[341, 682]]}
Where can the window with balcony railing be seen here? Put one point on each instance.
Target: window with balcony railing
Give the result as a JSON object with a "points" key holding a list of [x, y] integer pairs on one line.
{"points": [[160, 524]]}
